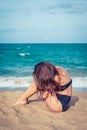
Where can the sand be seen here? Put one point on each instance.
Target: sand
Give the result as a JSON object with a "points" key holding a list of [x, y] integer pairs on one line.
{"points": [[36, 116]]}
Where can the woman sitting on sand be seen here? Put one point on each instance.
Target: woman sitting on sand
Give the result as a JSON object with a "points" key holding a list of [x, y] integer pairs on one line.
{"points": [[54, 85]]}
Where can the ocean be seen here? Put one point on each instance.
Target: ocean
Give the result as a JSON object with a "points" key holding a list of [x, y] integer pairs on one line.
{"points": [[17, 63]]}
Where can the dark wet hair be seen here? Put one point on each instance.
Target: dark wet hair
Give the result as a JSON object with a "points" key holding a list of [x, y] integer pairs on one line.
{"points": [[44, 74]]}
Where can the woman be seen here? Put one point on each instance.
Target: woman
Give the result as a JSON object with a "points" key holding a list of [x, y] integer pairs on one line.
{"points": [[53, 83]]}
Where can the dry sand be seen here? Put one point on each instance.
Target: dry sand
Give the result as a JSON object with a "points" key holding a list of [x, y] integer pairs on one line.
{"points": [[36, 116]]}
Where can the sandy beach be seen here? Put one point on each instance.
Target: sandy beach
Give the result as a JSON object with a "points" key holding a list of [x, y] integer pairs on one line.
{"points": [[36, 116]]}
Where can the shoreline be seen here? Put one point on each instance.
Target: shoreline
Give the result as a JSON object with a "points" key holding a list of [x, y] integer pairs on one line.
{"points": [[22, 89], [36, 116]]}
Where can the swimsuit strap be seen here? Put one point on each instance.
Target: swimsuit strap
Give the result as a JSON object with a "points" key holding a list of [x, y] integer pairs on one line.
{"points": [[61, 88]]}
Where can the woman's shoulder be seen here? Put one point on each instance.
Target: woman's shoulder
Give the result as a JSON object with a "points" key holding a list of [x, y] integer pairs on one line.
{"points": [[63, 73], [60, 69]]}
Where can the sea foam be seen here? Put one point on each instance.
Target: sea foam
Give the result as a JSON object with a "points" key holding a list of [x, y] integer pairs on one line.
{"points": [[78, 83]]}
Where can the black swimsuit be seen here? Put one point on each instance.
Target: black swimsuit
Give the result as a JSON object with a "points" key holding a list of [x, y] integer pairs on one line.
{"points": [[64, 99]]}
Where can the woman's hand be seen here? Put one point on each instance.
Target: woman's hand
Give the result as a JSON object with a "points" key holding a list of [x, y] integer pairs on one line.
{"points": [[29, 92], [21, 102]]}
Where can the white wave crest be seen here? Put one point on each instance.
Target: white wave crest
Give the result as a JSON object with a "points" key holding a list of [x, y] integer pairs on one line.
{"points": [[27, 53], [18, 82], [15, 81], [24, 54], [79, 82]]}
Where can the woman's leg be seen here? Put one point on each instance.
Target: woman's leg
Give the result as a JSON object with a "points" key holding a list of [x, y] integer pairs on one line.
{"points": [[53, 103]]}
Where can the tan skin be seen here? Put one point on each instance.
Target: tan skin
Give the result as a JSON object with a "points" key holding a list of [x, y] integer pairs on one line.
{"points": [[51, 100]]}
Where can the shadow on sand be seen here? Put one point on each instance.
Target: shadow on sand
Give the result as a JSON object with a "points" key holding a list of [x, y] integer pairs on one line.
{"points": [[73, 101]]}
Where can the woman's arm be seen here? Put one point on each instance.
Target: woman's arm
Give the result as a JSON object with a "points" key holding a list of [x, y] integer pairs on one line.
{"points": [[30, 91], [45, 94]]}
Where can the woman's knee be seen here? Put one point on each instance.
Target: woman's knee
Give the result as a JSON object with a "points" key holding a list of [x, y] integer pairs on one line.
{"points": [[53, 104], [55, 109]]}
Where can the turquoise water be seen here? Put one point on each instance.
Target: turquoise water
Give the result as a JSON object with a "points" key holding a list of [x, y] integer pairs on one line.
{"points": [[17, 62]]}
